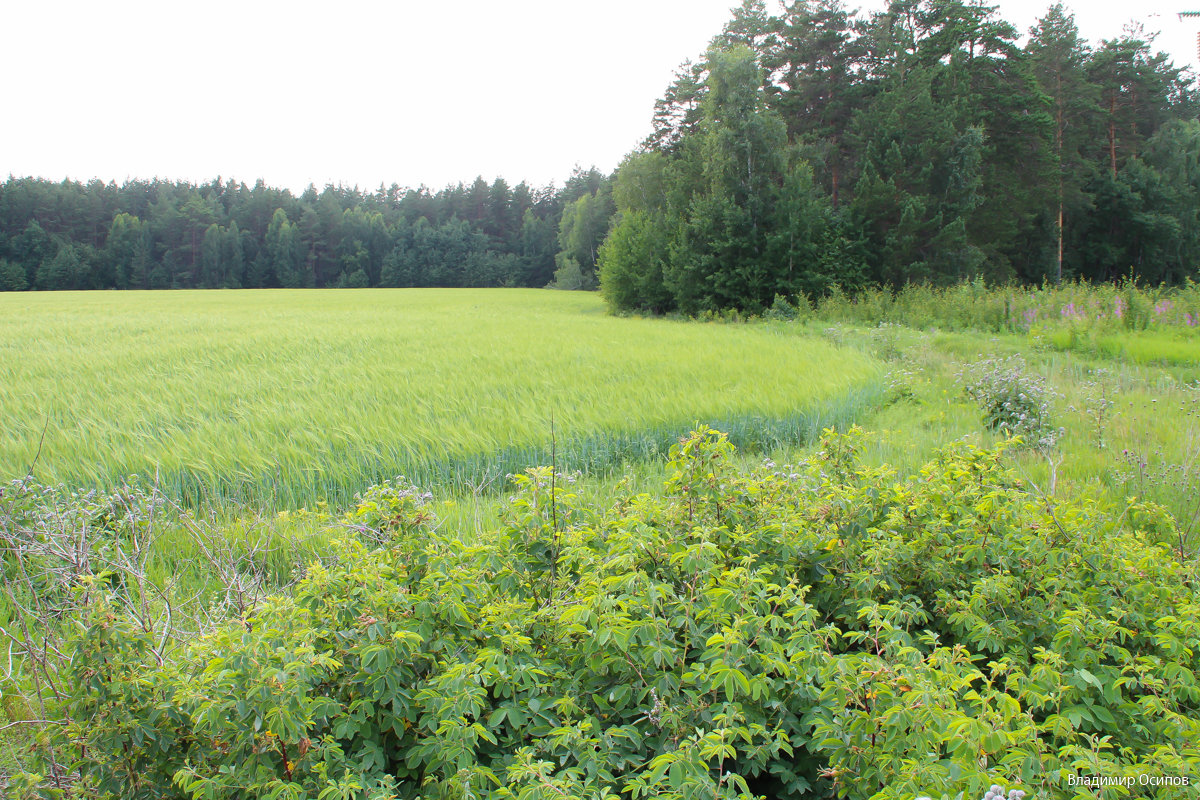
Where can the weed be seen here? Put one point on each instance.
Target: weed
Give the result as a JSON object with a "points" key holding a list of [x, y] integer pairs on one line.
{"points": [[886, 340], [1014, 402], [1096, 404]]}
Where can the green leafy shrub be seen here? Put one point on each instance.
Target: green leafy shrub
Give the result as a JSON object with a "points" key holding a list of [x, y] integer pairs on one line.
{"points": [[885, 338], [394, 508], [785, 308], [822, 629]]}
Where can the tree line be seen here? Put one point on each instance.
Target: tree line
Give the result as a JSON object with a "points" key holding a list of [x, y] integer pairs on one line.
{"points": [[811, 147], [155, 234]]}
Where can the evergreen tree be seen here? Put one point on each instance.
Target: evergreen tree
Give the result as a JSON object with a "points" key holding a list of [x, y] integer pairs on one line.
{"points": [[212, 260], [12, 276], [729, 217], [141, 263], [30, 248], [677, 112], [815, 88], [1058, 59], [537, 248], [233, 254], [120, 248], [286, 252], [62, 270]]}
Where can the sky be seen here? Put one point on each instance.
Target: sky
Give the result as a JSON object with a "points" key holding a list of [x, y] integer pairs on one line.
{"points": [[368, 93]]}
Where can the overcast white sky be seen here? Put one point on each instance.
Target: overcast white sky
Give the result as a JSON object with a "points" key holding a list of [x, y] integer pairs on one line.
{"points": [[361, 92]]}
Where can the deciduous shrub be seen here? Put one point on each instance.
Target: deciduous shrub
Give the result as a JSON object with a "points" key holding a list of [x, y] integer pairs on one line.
{"points": [[814, 630], [394, 508]]}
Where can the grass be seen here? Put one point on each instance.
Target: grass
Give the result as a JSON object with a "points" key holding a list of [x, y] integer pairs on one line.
{"points": [[282, 398], [1175, 348], [1130, 428], [271, 400]]}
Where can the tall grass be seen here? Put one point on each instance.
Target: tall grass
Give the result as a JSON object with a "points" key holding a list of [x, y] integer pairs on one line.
{"points": [[283, 398], [1097, 308]]}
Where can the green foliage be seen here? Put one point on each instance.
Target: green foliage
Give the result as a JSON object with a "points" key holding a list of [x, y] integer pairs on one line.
{"points": [[570, 276], [163, 234], [390, 510], [12, 277], [783, 308], [631, 264], [823, 629], [585, 222], [354, 280], [917, 144], [64, 270], [451, 254], [811, 145], [128, 716], [731, 219], [1071, 315], [284, 248]]}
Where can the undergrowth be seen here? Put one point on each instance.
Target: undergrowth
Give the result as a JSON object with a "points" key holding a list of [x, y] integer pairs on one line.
{"points": [[819, 628]]}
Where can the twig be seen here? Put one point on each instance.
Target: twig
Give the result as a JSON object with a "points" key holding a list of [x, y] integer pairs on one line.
{"points": [[33, 722], [553, 496], [38, 454]]}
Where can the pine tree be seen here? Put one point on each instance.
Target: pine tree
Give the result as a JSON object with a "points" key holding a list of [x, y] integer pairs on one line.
{"points": [[1058, 59]]}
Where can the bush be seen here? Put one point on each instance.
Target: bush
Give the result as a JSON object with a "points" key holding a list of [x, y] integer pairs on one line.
{"points": [[783, 309], [1014, 402], [1084, 308], [815, 629], [385, 511]]}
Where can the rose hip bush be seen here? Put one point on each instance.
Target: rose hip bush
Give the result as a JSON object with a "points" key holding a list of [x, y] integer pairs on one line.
{"points": [[819, 630]]}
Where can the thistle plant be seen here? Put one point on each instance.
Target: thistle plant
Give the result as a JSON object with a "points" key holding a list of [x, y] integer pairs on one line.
{"points": [[1014, 403], [1096, 404]]}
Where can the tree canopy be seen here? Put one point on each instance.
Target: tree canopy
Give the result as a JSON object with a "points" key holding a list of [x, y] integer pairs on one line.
{"points": [[811, 147], [161, 234]]}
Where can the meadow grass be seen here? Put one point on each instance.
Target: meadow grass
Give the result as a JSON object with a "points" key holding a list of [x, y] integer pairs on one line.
{"points": [[1078, 306], [1129, 425], [283, 398], [1174, 348]]}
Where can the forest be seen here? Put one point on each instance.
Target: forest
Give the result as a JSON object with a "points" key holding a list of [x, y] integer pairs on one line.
{"points": [[929, 143], [922, 144], [157, 234]]}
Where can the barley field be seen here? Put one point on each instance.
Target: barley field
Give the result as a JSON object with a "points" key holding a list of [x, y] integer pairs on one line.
{"points": [[284, 398]]}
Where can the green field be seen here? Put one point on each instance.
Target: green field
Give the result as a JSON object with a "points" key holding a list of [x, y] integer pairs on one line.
{"points": [[284, 398]]}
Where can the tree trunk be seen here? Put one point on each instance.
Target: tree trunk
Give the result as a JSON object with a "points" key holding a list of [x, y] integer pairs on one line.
{"points": [[1058, 271], [1112, 133], [835, 177], [1133, 122], [1058, 142]]}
